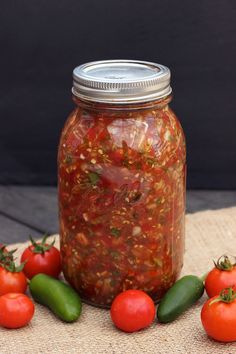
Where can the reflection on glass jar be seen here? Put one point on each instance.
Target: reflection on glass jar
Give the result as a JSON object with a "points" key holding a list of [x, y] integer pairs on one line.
{"points": [[121, 178]]}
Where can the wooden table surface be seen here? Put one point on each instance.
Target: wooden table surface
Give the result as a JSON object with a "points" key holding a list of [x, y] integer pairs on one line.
{"points": [[33, 210]]}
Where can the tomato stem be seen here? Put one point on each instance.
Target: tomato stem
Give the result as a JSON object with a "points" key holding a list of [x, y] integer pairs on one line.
{"points": [[41, 247], [11, 266], [227, 295], [224, 263], [6, 256]]}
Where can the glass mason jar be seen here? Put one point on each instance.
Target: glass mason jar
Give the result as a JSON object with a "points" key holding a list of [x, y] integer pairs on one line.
{"points": [[121, 179]]}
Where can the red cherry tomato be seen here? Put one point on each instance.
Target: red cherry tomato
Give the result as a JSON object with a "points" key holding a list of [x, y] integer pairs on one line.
{"points": [[12, 281], [219, 319], [41, 258], [132, 310], [16, 310], [222, 276]]}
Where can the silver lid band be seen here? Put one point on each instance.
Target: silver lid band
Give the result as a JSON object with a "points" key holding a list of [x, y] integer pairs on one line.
{"points": [[121, 81]]}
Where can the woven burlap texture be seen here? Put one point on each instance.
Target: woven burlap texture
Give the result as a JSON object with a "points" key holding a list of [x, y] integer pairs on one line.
{"points": [[209, 234]]}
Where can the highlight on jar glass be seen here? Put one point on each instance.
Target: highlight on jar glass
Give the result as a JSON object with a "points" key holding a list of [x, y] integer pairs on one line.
{"points": [[121, 182]]}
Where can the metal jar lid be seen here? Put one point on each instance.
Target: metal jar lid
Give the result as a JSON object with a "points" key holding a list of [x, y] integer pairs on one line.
{"points": [[121, 81]]}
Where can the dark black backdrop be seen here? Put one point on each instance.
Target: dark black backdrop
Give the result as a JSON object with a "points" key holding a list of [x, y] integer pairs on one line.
{"points": [[42, 41]]}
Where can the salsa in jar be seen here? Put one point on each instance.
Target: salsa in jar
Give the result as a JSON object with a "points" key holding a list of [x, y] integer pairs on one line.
{"points": [[121, 181]]}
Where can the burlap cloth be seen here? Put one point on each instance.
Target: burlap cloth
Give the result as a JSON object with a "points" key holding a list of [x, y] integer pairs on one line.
{"points": [[209, 234]]}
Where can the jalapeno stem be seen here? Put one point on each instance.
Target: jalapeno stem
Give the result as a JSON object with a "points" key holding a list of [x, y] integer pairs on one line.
{"points": [[203, 277]]}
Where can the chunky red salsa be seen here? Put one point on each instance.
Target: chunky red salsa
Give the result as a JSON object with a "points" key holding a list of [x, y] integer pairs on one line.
{"points": [[121, 199]]}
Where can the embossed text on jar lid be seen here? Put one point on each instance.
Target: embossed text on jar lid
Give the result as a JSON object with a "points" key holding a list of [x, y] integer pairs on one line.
{"points": [[121, 81]]}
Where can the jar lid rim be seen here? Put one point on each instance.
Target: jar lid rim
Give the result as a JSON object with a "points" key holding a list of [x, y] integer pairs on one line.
{"points": [[121, 81]]}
